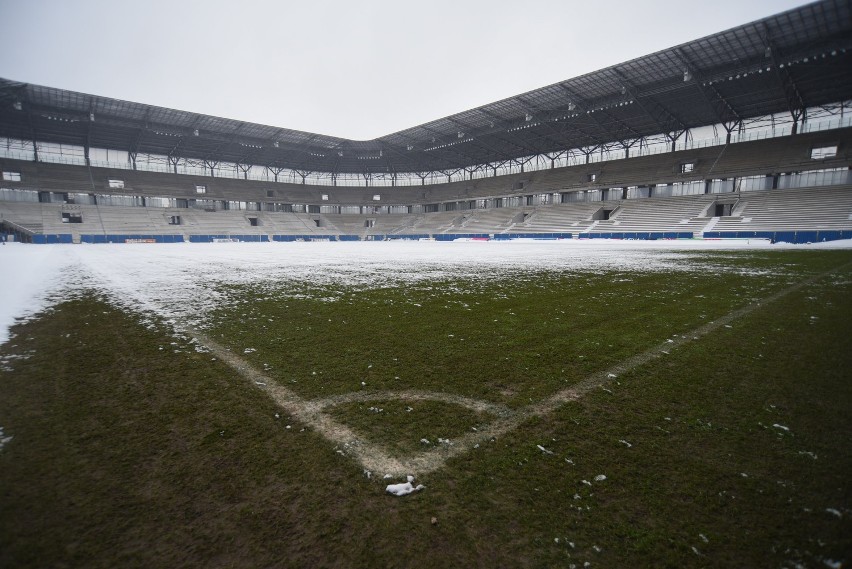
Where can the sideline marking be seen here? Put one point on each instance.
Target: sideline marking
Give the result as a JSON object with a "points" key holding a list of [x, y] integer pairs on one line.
{"points": [[373, 457]]}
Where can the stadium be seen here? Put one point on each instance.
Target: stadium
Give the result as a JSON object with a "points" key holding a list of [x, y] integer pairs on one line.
{"points": [[602, 323]]}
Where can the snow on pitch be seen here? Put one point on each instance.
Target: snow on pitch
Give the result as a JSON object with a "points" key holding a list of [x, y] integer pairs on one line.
{"points": [[180, 282], [404, 488]]}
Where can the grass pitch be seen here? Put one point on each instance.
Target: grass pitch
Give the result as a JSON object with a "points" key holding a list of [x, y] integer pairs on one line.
{"points": [[130, 447]]}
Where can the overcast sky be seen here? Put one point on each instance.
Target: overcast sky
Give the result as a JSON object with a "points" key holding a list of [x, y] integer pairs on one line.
{"points": [[356, 69]]}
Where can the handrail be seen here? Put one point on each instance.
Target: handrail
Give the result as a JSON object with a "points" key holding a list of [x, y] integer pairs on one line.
{"points": [[16, 226]]}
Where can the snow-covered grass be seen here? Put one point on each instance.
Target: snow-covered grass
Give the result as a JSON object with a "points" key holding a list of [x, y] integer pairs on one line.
{"points": [[177, 281]]}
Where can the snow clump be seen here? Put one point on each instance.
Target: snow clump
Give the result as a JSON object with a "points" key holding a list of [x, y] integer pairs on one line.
{"points": [[404, 488]]}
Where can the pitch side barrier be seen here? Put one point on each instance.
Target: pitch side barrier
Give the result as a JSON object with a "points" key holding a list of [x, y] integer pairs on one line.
{"points": [[807, 236], [312, 237], [51, 238], [454, 236], [536, 236], [121, 238], [798, 237], [641, 235], [412, 237]]}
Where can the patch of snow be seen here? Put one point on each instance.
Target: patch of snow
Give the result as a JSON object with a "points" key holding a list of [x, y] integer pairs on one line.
{"points": [[143, 277], [404, 488], [600, 478], [544, 450], [829, 510], [625, 443], [39, 272], [782, 427], [703, 538], [4, 440]]}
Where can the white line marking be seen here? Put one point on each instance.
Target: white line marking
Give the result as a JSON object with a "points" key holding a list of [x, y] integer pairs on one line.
{"points": [[373, 457]]}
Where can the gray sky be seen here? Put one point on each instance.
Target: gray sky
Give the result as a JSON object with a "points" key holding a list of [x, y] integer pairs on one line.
{"points": [[357, 69]]}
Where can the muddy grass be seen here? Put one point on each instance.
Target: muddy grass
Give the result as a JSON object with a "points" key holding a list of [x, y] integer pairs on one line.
{"points": [[130, 448], [407, 427]]}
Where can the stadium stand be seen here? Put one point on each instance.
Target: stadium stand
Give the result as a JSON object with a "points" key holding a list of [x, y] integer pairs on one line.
{"points": [[618, 143]]}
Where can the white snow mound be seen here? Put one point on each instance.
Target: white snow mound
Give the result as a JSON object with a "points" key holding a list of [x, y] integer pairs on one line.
{"points": [[403, 488]]}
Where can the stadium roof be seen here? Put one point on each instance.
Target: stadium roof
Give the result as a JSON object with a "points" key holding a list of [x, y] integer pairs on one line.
{"points": [[785, 63]]}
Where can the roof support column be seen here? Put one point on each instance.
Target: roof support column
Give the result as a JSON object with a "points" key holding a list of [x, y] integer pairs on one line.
{"points": [[674, 135], [798, 115], [627, 145], [212, 166], [588, 150], [276, 170], [729, 127]]}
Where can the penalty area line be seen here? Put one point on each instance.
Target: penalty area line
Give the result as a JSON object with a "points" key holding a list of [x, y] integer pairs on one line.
{"points": [[374, 458]]}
